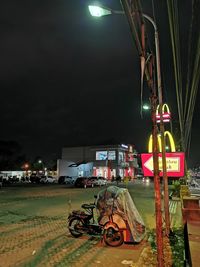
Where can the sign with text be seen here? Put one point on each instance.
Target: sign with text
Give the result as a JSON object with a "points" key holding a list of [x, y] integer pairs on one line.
{"points": [[174, 161]]}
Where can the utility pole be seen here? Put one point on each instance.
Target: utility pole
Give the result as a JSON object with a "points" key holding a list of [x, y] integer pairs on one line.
{"points": [[132, 9], [128, 9], [158, 211], [156, 171], [162, 130]]}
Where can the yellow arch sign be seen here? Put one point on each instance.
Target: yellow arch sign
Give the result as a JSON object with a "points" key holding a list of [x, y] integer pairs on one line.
{"points": [[165, 108], [166, 134]]}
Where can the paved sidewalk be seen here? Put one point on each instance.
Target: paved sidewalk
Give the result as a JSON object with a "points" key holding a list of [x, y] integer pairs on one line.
{"points": [[46, 242], [124, 255], [194, 242]]}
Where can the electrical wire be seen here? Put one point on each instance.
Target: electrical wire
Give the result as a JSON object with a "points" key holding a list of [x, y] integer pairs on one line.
{"points": [[186, 96]]}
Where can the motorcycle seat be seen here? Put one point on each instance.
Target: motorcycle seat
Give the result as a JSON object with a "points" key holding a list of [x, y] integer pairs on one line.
{"points": [[88, 206]]}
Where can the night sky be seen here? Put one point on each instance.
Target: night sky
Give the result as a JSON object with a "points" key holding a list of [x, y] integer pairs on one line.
{"points": [[69, 79]]}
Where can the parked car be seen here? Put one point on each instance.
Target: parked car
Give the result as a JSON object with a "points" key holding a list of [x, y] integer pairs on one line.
{"points": [[35, 179], [83, 182], [47, 180], [14, 179], [64, 179], [69, 180], [98, 181], [102, 181], [25, 179]]}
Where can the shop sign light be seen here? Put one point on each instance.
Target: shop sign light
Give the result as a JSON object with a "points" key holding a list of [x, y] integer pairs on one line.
{"points": [[165, 114], [166, 134], [124, 146]]}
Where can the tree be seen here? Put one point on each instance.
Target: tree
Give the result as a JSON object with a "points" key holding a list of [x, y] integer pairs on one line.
{"points": [[11, 157]]}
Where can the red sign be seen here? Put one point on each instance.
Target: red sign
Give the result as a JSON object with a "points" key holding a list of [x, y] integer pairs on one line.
{"points": [[166, 117], [174, 161]]}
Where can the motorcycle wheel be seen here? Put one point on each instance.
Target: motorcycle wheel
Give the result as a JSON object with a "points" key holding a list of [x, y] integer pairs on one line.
{"points": [[73, 227], [113, 238]]}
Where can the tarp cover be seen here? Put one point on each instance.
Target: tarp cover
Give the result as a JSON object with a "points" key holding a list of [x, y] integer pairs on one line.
{"points": [[115, 200]]}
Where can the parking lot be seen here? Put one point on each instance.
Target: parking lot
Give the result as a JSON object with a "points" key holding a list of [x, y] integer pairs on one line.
{"points": [[33, 227]]}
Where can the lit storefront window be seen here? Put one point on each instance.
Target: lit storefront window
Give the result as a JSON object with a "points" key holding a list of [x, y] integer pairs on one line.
{"points": [[111, 155], [101, 155], [105, 155], [121, 157]]}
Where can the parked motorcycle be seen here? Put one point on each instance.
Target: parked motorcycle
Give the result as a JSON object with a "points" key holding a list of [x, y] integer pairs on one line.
{"points": [[83, 222], [118, 218]]}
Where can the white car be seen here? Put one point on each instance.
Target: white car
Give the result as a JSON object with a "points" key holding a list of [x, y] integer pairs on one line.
{"points": [[102, 181], [98, 181], [47, 180]]}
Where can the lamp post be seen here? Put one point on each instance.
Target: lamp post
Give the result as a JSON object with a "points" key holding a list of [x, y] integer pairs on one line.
{"points": [[106, 11], [162, 130]]}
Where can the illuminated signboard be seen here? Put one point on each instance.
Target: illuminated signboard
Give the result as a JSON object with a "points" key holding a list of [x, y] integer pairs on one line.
{"points": [[105, 155], [111, 155], [165, 114], [124, 146], [168, 135], [174, 161]]}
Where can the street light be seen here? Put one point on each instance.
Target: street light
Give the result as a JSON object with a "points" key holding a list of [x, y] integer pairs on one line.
{"points": [[146, 107], [97, 11], [26, 166], [100, 11], [154, 131]]}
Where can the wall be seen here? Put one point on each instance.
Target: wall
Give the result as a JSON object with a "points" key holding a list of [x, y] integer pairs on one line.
{"points": [[77, 154], [63, 169]]}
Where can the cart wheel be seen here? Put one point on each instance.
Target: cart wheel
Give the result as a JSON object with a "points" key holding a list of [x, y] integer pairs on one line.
{"points": [[113, 238]]}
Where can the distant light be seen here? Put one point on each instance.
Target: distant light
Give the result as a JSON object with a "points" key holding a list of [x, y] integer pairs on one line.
{"points": [[39, 161], [146, 107], [167, 147], [97, 11], [124, 146]]}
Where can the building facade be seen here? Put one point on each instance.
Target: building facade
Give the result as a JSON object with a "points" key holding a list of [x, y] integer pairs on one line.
{"points": [[105, 160]]}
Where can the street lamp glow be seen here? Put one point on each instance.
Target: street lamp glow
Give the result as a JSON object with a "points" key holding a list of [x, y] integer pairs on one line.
{"points": [[97, 11], [146, 107], [26, 166]]}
